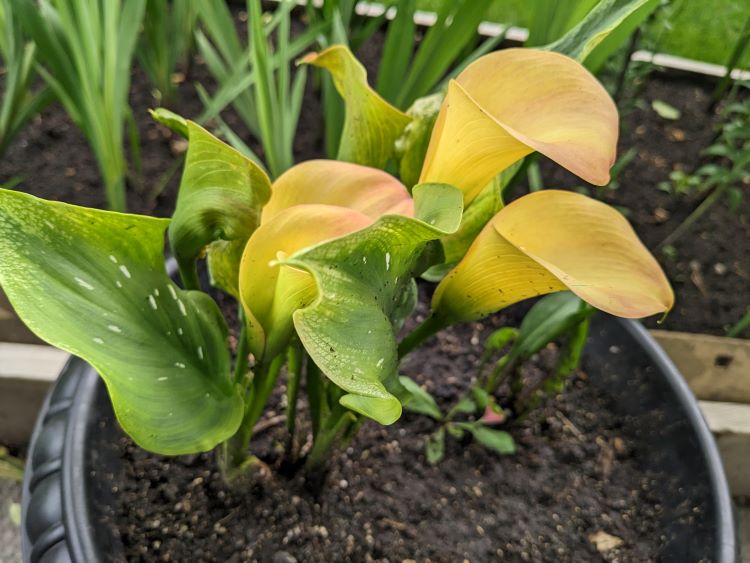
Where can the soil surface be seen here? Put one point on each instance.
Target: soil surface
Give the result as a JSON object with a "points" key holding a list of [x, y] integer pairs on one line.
{"points": [[578, 480]]}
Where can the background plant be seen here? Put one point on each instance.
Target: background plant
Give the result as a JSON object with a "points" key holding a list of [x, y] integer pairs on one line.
{"points": [[404, 73], [85, 49], [727, 175], [256, 80], [21, 100], [166, 44]]}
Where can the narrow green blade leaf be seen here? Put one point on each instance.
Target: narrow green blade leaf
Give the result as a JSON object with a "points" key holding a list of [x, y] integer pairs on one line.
{"points": [[93, 283], [435, 447], [497, 440], [549, 318], [420, 401], [348, 330], [603, 29]]}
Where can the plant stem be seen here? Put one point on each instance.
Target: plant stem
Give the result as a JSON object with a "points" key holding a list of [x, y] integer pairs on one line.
{"points": [[734, 60], [687, 224], [243, 349], [295, 364], [189, 276], [339, 423], [431, 326], [740, 327], [498, 374], [233, 454], [316, 397], [632, 44]]}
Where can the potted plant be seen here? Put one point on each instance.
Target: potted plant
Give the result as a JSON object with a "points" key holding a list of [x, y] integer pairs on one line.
{"points": [[323, 264]]}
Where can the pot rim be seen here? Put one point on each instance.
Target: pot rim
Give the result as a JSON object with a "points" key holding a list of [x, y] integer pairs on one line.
{"points": [[73, 534]]}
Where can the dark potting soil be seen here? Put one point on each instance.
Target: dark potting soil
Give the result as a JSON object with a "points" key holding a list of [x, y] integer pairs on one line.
{"points": [[577, 482]]}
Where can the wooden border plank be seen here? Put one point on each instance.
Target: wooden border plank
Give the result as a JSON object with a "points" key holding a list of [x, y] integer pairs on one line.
{"points": [[26, 372], [716, 368], [730, 425]]}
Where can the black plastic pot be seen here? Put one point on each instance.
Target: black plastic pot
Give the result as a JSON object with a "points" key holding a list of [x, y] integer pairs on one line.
{"points": [[59, 488]]}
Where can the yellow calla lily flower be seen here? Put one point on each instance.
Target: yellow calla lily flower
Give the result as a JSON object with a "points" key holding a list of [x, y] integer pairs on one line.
{"points": [[549, 241], [510, 103], [313, 202]]}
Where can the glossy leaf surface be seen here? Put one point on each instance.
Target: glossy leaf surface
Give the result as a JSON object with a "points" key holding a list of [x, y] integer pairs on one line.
{"points": [[348, 330], [371, 125], [607, 26], [549, 318], [93, 284], [220, 197]]}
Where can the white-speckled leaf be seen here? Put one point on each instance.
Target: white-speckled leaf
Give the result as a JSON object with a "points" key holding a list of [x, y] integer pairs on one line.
{"points": [[93, 283], [361, 280]]}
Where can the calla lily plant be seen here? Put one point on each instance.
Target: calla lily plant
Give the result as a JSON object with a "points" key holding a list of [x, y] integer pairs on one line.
{"points": [[324, 261]]}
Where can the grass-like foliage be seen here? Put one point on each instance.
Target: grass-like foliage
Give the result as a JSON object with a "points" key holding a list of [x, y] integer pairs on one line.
{"points": [[85, 49]]}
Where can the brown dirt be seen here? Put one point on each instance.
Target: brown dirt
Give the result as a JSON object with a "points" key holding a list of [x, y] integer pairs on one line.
{"points": [[580, 469]]}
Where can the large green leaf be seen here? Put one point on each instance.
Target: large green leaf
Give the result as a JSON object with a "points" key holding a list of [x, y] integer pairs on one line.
{"points": [[221, 196], [603, 30], [371, 125], [550, 317], [551, 20], [93, 283], [361, 278]]}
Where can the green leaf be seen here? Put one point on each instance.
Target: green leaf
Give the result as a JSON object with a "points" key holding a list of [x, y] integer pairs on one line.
{"points": [[549, 318], [348, 330], [175, 122], [434, 446], [481, 397], [420, 401], [603, 30], [664, 110], [465, 405], [552, 19], [497, 440], [480, 211], [499, 338], [371, 125], [455, 430], [411, 146], [93, 284], [221, 196]]}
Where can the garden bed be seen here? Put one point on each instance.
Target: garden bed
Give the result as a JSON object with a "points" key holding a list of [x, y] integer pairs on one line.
{"points": [[584, 479]]}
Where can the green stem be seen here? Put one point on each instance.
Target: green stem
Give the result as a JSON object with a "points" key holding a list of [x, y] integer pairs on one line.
{"points": [[295, 364], [734, 61], [243, 350], [233, 454], [429, 328], [740, 327], [189, 276], [338, 424], [688, 223], [498, 374], [316, 397]]}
